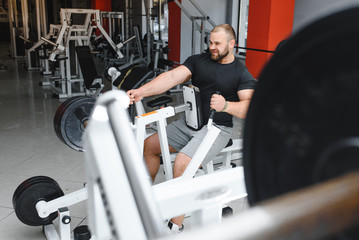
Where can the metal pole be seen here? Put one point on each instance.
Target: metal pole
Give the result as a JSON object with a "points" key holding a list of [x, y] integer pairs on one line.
{"points": [[193, 36], [44, 18], [159, 21], [203, 13], [25, 22], [148, 30], [127, 27], [38, 20], [12, 31], [203, 24]]}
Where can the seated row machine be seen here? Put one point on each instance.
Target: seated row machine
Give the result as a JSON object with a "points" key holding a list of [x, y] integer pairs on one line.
{"points": [[111, 148]]}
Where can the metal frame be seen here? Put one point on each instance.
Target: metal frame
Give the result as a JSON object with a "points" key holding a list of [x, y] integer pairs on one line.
{"points": [[107, 118], [195, 26], [113, 157]]}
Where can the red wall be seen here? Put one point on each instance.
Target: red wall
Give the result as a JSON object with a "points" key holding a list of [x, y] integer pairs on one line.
{"points": [[174, 32], [269, 22], [102, 5]]}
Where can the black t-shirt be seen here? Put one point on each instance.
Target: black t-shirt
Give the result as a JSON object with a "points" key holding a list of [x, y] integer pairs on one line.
{"points": [[210, 76]]}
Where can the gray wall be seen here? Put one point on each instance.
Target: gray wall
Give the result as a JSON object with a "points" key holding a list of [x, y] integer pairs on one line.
{"points": [[307, 10]]}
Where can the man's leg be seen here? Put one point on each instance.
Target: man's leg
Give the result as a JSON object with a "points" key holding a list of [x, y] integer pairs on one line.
{"points": [[182, 160], [181, 163], [151, 153]]}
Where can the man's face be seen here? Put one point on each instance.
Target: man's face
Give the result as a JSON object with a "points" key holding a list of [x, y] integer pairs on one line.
{"points": [[219, 45]]}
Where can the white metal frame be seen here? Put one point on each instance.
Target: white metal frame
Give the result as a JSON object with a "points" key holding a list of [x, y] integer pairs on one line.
{"points": [[165, 194], [143, 207]]}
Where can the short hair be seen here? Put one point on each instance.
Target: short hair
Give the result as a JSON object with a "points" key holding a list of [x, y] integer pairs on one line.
{"points": [[227, 29]]}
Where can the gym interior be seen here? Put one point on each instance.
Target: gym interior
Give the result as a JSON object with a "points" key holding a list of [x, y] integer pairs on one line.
{"points": [[68, 165]]}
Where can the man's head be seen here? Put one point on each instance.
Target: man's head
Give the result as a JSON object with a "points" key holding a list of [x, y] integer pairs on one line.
{"points": [[222, 41]]}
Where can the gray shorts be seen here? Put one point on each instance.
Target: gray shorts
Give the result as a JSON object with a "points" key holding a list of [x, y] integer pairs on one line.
{"points": [[187, 141]]}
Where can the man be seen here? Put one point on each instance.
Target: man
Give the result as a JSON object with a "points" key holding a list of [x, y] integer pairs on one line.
{"points": [[218, 70]]}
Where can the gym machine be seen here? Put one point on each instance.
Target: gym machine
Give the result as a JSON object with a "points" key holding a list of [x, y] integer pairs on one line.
{"points": [[43, 56], [300, 145], [126, 79], [71, 118], [144, 205], [33, 212], [115, 23], [300, 141], [26, 30], [80, 34]]}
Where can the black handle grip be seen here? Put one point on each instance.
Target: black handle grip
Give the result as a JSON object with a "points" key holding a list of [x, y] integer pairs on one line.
{"points": [[211, 115]]}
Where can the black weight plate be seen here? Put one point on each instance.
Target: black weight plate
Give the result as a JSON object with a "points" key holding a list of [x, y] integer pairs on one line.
{"points": [[31, 191], [59, 114], [70, 128], [25, 183], [302, 127], [60, 110]]}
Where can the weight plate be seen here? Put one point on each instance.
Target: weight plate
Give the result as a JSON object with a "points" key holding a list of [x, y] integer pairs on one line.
{"points": [[59, 112], [31, 191], [63, 108], [301, 127], [69, 125]]}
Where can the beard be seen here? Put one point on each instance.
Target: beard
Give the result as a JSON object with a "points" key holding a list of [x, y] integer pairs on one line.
{"points": [[220, 56]]}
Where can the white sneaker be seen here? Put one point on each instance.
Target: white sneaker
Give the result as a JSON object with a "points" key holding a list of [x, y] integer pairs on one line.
{"points": [[174, 228]]}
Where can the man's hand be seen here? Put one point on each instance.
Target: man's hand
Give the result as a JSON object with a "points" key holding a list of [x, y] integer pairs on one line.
{"points": [[217, 102], [135, 95]]}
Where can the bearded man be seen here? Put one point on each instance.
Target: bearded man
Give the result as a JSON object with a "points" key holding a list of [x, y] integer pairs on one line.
{"points": [[216, 70]]}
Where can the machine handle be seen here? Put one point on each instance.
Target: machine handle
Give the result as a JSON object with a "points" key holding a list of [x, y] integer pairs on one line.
{"points": [[48, 41], [23, 38], [211, 115]]}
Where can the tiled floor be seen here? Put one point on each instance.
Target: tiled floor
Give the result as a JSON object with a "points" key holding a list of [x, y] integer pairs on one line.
{"points": [[30, 147]]}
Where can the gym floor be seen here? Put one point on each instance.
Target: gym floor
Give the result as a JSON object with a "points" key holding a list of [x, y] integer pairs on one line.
{"points": [[29, 147]]}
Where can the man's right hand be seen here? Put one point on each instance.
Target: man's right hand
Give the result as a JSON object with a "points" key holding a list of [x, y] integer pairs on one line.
{"points": [[135, 95]]}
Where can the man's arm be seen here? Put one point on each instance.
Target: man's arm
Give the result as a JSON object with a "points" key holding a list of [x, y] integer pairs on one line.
{"points": [[237, 109], [161, 83]]}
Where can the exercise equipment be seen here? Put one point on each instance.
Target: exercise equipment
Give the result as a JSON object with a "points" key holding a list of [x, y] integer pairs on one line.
{"points": [[136, 203], [79, 33], [300, 123], [31, 191], [88, 69], [39, 200], [115, 23], [201, 196], [71, 118], [193, 113]]}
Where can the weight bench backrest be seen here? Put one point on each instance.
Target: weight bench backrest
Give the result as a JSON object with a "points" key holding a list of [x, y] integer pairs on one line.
{"points": [[87, 65], [133, 77]]}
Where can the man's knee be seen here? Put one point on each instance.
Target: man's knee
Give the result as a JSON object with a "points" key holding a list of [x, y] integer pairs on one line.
{"points": [[151, 145], [182, 160]]}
